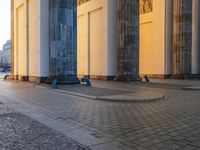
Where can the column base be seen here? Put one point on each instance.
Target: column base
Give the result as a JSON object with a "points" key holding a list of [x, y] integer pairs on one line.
{"points": [[33, 79], [67, 79], [196, 76], [21, 78], [133, 77], [182, 76], [61, 79], [156, 76], [98, 77], [37, 79]]}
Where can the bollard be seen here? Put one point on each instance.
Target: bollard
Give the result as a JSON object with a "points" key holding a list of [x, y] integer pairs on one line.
{"points": [[146, 78], [54, 84], [86, 81]]}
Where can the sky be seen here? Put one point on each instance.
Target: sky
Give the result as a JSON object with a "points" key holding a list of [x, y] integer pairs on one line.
{"points": [[4, 21]]}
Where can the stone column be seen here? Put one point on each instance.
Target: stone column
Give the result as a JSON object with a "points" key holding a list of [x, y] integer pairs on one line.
{"points": [[63, 40], [182, 38], [128, 40], [168, 37], [12, 39], [26, 76], [196, 37]]}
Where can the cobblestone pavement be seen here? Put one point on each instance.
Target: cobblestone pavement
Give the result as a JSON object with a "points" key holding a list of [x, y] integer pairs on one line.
{"points": [[18, 132], [169, 124]]}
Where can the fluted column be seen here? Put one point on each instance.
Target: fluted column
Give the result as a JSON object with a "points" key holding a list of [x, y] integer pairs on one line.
{"points": [[169, 37], [196, 37], [12, 38], [27, 40], [63, 40], [128, 40], [182, 38]]}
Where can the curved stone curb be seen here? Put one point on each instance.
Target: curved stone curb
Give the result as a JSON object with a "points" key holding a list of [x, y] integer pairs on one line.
{"points": [[191, 88], [141, 97]]}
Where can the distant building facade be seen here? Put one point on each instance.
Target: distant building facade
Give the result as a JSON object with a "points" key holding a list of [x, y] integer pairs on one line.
{"points": [[5, 57], [106, 39]]}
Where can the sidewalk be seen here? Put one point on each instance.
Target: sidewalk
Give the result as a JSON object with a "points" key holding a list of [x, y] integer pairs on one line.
{"points": [[155, 83], [19, 132], [104, 125], [109, 94]]}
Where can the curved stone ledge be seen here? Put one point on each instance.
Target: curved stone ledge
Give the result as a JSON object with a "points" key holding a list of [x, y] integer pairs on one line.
{"points": [[139, 97], [192, 88]]}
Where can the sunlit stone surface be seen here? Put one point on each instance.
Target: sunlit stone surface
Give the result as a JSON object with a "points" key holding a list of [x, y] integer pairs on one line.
{"points": [[44, 41]]}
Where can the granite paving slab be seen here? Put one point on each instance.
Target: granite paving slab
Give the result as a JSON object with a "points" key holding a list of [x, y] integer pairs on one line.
{"points": [[164, 125], [93, 91], [133, 97], [161, 85], [195, 88], [18, 132]]}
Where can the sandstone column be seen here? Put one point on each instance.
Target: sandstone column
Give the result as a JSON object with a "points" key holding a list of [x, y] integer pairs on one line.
{"points": [[182, 38], [12, 38], [63, 40], [26, 76], [128, 40], [196, 37], [169, 38]]}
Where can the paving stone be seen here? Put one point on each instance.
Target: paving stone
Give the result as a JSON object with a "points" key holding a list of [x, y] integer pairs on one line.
{"points": [[107, 146], [172, 123], [189, 147], [126, 148], [174, 147], [196, 143], [93, 91], [18, 132]]}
